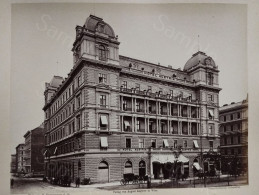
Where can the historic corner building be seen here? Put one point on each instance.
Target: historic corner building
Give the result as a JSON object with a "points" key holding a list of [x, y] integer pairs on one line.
{"points": [[114, 114], [234, 134]]}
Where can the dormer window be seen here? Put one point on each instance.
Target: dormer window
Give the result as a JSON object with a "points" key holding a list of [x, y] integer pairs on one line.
{"points": [[102, 53]]}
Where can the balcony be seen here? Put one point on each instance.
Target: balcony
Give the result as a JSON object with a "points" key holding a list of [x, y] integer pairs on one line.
{"points": [[164, 113], [141, 130], [140, 110], [127, 109], [152, 130]]}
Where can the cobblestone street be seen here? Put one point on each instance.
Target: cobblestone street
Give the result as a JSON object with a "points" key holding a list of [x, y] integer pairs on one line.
{"points": [[37, 186]]}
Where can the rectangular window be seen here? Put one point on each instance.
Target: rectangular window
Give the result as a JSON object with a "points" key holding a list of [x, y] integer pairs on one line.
{"points": [[103, 122], [238, 139], [225, 118], [124, 84], [210, 78], [232, 127], [165, 143], [232, 140], [137, 86], [137, 106], [171, 93], [210, 97], [138, 125], [124, 105], [127, 126], [104, 142], [225, 141], [149, 88], [78, 99], [210, 113], [211, 129], [141, 143], [175, 143], [103, 100], [128, 142], [78, 80], [195, 144], [185, 143], [153, 143], [102, 78], [238, 115], [231, 117], [78, 122], [211, 145]]}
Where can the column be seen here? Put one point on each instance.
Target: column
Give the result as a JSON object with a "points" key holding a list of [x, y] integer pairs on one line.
{"points": [[157, 125], [168, 126], [197, 126], [135, 124], [145, 125], [132, 124], [122, 121], [148, 130], [145, 106], [121, 108], [132, 105], [135, 103], [170, 110], [179, 109]]}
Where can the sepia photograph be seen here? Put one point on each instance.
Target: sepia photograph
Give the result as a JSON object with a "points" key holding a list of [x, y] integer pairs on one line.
{"points": [[114, 97]]}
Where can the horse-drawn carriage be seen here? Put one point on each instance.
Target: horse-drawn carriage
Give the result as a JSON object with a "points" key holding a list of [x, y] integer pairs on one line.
{"points": [[62, 181], [134, 179]]}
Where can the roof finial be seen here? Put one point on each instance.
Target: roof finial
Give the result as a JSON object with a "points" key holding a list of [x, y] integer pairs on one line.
{"points": [[57, 68], [198, 42]]}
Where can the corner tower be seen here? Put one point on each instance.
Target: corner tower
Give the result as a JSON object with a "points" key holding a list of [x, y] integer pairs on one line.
{"points": [[203, 73], [96, 40]]}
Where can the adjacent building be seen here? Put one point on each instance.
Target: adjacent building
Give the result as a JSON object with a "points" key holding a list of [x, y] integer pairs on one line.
{"points": [[33, 150], [13, 163], [20, 158], [115, 114], [234, 133]]}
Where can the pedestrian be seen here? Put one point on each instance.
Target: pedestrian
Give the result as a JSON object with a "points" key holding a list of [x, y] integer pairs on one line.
{"points": [[12, 182], [77, 181]]}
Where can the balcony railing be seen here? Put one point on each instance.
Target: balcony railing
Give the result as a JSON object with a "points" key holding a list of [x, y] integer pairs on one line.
{"points": [[152, 111], [103, 128], [127, 109], [152, 131], [140, 130], [140, 110], [164, 112], [127, 129]]}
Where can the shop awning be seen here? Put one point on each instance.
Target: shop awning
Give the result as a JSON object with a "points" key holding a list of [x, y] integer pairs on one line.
{"points": [[163, 158], [166, 143], [126, 123], [104, 120], [183, 159], [197, 166], [211, 113], [195, 144], [104, 142]]}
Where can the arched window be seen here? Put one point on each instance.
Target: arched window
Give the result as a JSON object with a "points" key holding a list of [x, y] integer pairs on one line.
{"points": [[128, 167], [102, 52], [103, 165]]}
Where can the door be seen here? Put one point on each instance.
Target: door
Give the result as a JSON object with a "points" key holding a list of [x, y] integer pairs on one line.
{"points": [[103, 172]]}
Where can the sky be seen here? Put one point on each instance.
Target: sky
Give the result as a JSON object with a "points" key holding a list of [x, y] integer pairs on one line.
{"points": [[43, 34]]}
